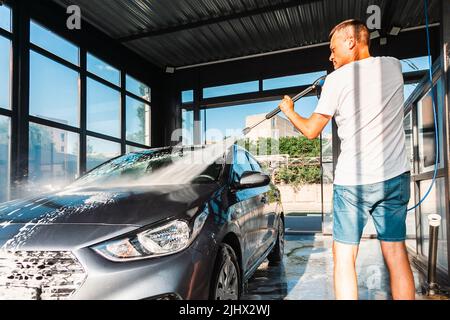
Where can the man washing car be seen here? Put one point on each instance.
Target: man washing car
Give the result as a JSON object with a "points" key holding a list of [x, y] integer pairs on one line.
{"points": [[365, 95]]}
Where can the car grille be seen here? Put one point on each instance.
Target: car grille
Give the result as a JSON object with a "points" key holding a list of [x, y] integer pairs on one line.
{"points": [[40, 275]]}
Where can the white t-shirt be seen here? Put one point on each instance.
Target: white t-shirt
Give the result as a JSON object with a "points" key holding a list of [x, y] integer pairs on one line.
{"points": [[366, 99]]}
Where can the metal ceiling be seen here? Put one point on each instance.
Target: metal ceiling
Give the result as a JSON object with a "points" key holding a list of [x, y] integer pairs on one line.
{"points": [[188, 32]]}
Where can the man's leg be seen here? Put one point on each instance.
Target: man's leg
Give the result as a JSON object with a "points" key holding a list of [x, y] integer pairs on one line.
{"points": [[345, 280], [402, 280]]}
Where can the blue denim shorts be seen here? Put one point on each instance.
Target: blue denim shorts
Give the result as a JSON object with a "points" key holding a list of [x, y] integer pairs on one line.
{"points": [[386, 201]]}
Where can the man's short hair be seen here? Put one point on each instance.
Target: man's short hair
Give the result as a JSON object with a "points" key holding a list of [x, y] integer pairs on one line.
{"points": [[359, 29]]}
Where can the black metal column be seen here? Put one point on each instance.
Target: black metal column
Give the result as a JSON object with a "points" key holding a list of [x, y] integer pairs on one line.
{"points": [[20, 97], [168, 115], [123, 113], [198, 96], [336, 144], [83, 112]]}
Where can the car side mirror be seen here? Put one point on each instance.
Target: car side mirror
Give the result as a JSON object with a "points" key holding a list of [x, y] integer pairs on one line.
{"points": [[253, 179]]}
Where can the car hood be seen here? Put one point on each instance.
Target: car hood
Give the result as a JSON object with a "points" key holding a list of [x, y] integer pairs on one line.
{"points": [[77, 218], [139, 206], [57, 237]]}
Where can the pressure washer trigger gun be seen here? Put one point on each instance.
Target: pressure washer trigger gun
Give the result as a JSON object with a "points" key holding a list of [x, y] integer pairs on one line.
{"points": [[317, 85]]}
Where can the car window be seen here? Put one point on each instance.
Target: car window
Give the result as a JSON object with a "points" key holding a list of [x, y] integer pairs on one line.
{"points": [[144, 166], [255, 165], [240, 165]]}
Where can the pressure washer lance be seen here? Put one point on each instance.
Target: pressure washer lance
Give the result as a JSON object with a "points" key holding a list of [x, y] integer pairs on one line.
{"points": [[317, 85]]}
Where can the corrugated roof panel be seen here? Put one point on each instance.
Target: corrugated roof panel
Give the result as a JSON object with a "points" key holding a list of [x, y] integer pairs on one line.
{"points": [[252, 33], [309, 22]]}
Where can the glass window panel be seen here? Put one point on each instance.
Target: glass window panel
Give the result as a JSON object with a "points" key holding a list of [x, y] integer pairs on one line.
{"points": [[434, 204], [187, 96], [327, 147], [103, 109], [409, 89], [327, 169], [138, 88], [187, 125], [53, 91], [5, 143], [203, 126], [53, 156], [134, 149], [53, 43], [407, 126], [415, 64], [292, 81], [411, 236], [5, 73], [138, 122], [103, 70], [100, 151], [228, 121], [426, 127], [230, 89], [5, 18]]}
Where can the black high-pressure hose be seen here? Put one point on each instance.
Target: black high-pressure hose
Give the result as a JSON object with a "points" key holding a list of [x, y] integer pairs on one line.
{"points": [[317, 85]]}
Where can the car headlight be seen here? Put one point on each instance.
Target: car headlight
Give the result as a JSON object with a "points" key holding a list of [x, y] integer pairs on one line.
{"points": [[169, 238]]}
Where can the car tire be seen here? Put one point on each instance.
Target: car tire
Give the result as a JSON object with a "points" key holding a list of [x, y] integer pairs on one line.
{"points": [[226, 280], [276, 255]]}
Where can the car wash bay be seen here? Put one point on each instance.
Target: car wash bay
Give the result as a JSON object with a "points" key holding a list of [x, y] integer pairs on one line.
{"points": [[146, 74]]}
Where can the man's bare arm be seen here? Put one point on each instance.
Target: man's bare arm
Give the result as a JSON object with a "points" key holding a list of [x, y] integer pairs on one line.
{"points": [[310, 127]]}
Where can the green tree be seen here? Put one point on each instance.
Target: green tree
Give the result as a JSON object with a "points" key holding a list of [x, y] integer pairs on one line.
{"points": [[295, 147], [300, 147], [294, 174]]}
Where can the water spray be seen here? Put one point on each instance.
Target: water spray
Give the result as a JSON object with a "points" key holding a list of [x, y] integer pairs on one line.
{"points": [[317, 85]]}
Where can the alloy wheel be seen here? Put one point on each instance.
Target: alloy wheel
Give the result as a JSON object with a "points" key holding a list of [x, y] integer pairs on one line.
{"points": [[227, 285]]}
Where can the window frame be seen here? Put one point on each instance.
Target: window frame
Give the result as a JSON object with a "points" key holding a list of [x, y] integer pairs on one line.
{"points": [[84, 76]]}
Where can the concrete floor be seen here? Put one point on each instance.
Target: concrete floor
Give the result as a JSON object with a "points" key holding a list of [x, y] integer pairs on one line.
{"points": [[307, 272]]}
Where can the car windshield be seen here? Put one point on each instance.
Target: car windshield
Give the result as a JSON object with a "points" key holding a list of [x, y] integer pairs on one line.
{"points": [[153, 168]]}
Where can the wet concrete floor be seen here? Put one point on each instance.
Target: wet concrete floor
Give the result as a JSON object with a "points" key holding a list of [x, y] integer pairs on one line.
{"points": [[307, 272]]}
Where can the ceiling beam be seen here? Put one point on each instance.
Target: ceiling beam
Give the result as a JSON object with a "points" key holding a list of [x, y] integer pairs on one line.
{"points": [[201, 23]]}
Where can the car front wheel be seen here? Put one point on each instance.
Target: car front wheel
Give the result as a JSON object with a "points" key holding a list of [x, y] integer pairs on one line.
{"points": [[226, 284]]}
